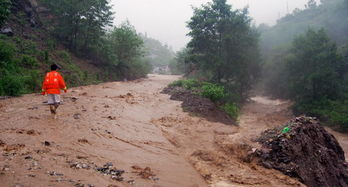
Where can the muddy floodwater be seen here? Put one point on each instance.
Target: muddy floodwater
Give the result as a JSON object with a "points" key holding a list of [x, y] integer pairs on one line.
{"points": [[129, 134]]}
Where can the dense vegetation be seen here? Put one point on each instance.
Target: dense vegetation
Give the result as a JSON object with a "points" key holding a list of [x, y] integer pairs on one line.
{"points": [[72, 34], [214, 92], [223, 49], [307, 62], [180, 63], [223, 54]]}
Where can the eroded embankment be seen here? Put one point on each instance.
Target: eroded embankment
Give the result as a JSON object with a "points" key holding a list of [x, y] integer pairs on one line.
{"points": [[219, 151]]}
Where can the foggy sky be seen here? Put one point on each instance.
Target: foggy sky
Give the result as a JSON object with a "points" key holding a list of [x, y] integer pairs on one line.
{"points": [[165, 20]]}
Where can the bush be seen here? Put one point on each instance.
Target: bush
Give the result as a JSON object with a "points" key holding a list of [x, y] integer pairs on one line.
{"points": [[11, 85], [32, 81], [27, 47], [65, 56], [188, 83], [232, 110], [212, 91], [28, 61], [7, 51], [331, 112]]}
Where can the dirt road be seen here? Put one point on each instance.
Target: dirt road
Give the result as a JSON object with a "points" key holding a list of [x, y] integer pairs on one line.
{"points": [[138, 130]]}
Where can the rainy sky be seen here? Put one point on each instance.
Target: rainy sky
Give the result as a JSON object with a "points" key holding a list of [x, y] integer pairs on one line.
{"points": [[165, 20]]}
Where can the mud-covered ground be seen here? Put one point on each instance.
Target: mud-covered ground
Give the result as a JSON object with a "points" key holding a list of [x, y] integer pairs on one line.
{"points": [[129, 134], [302, 148]]}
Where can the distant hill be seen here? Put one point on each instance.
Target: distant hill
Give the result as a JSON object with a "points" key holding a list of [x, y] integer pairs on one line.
{"points": [[331, 15]]}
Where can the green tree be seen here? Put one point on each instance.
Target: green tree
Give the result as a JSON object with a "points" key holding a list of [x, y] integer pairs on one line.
{"points": [[314, 67], [5, 6], [80, 24], [311, 4], [127, 48], [224, 45], [181, 63]]}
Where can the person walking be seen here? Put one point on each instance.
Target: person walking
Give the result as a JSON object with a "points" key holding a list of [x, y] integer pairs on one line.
{"points": [[51, 86]]}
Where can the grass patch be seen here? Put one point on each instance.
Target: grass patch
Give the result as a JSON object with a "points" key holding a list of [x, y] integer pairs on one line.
{"points": [[214, 92]]}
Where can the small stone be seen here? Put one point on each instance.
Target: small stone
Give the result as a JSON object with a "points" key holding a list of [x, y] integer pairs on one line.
{"points": [[47, 143], [31, 175], [131, 182], [77, 116], [117, 178], [108, 164], [74, 99], [79, 185]]}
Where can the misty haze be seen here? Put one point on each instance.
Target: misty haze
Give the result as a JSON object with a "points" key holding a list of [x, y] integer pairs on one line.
{"points": [[186, 93]]}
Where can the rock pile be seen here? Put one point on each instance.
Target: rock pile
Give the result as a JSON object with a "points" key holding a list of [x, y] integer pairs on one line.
{"points": [[305, 150], [108, 169]]}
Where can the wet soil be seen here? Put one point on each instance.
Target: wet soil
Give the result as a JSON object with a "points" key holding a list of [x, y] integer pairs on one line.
{"points": [[139, 131], [198, 105]]}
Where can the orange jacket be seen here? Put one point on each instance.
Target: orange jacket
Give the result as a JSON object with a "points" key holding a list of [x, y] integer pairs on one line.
{"points": [[53, 83]]}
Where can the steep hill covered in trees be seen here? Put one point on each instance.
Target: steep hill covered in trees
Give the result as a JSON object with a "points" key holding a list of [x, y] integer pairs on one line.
{"points": [[306, 60], [330, 15], [76, 35]]}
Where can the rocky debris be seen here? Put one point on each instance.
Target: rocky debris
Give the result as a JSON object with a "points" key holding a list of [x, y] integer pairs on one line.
{"points": [[7, 31], [28, 132], [84, 94], [53, 173], [34, 166], [83, 140], [33, 108], [82, 185], [6, 168], [73, 99], [14, 147], [77, 116], [31, 175], [198, 105], [47, 143], [81, 157], [108, 169], [43, 151], [131, 182], [111, 117], [145, 173], [305, 150], [2, 143], [83, 109], [79, 165], [128, 95], [32, 132], [33, 117]]}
